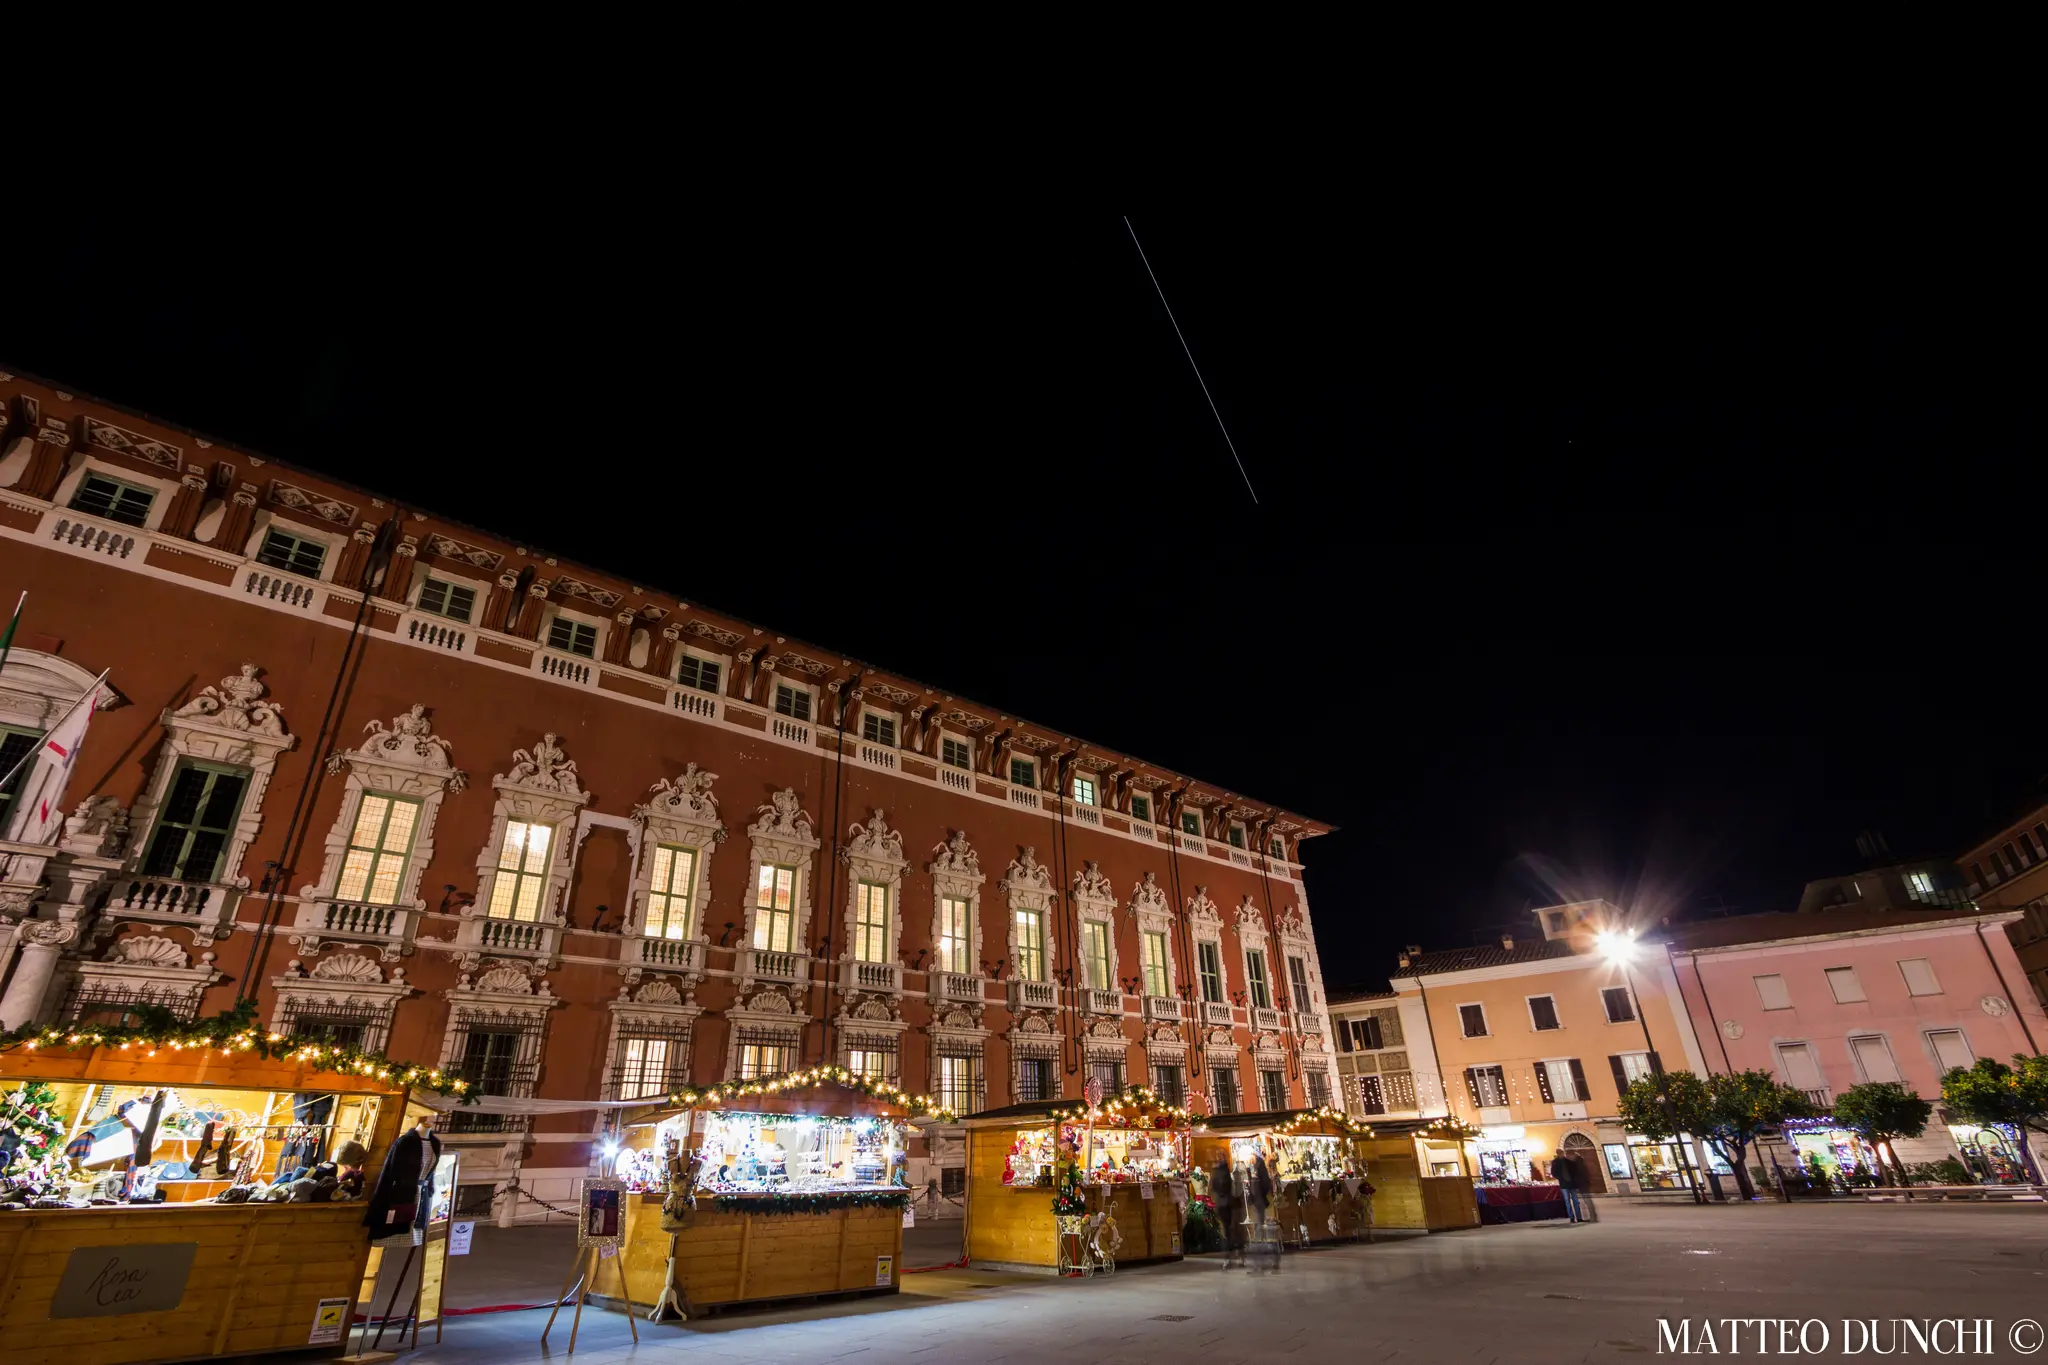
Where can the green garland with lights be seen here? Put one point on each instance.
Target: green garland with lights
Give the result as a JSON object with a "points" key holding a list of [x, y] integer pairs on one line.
{"points": [[236, 1031], [1324, 1114], [1136, 1097], [721, 1096], [775, 1204]]}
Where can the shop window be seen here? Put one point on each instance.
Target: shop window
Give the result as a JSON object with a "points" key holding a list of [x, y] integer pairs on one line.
{"points": [[960, 1081], [572, 637], [1617, 1160], [196, 821], [1141, 809], [1874, 1056], [439, 597], [522, 871], [1209, 964], [1035, 1079], [1255, 978], [871, 922], [1951, 1049], [1084, 791], [113, 499], [1318, 1088], [1109, 1071], [1371, 1096], [878, 729], [954, 753], [1919, 974], [1223, 1081], [1297, 982], [16, 745], [775, 909], [1561, 1082], [1031, 945], [1771, 991], [956, 939], [293, 554], [1488, 1087], [1169, 1083], [1543, 1012], [1152, 956], [1095, 954], [1472, 1020], [1620, 1009], [674, 876], [794, 702], [1023, 772], [373, 869], [698, 674], [1844, 983]]}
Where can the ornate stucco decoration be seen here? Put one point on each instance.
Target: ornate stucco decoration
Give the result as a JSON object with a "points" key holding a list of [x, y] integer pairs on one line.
{"points": [[407, 759], [682, 813], [1029, 886], [542, 788], [955, 870], [874, 853], [1203, 911], [782, 834]]}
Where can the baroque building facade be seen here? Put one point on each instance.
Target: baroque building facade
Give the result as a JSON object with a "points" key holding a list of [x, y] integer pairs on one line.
{"points": [[417, 788]]}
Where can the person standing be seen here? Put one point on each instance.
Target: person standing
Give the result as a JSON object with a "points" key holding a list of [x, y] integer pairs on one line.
{"points": [[1229, 1211], [1564, 1169]]}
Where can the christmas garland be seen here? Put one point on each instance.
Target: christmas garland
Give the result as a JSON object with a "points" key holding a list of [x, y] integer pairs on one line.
{"points": [[775, 1204], [722, 1095], [1133, 1097], [235, 1031], [1324, 1114]]}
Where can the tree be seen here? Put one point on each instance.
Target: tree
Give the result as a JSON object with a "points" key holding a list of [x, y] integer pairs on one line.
{"points": [[31, 1132], [1992, 1092], [1878, 1112], [1662, 1107], [1743, 1103]]}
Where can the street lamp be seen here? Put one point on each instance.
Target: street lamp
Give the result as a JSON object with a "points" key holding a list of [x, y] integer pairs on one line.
{"points": [[1618, 946]]}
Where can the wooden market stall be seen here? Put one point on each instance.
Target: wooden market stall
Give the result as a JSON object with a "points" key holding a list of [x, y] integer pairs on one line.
{"points": [[136, 1218], [1055, 1186], [792, 1187], [1421, 1175], [1318, 1165]]}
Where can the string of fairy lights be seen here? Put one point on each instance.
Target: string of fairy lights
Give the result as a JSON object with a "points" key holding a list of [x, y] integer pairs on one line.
{"points": [[723, 1094]]}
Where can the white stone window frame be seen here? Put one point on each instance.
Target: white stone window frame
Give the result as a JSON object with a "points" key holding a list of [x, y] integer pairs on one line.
{"points": [[149, 967], [1297, 939], [37, 691], [350, 982], [870, 1015], [418, 584], [1027, 1042], [550, 797], [405, 759], [781, 838], [954, 737], [1010, 761], [1030, 889], [1151, 807], [956, 874], [1094, 783], [563, 611], [684, 814], [1252, 937], [1205, 925], [880, 713], [1095, 904], [767, 1010], [709, 656], [873, 854], [166, 489], [197, 731], [497, 992], [1154, 915], [653, 1006], [778, 680], [266, 519]]}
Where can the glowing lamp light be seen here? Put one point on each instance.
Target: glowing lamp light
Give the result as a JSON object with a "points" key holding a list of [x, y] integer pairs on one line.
{"points": [[1616, 945]]}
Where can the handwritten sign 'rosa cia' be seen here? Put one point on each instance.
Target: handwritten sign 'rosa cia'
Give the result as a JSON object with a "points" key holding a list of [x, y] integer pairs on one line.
{"points": [[105, 1282]]}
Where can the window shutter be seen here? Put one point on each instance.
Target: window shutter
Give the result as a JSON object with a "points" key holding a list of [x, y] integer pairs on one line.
{"points": [[1343, 1035], [1578, 1079], [1656, 1064], [1620, 1074], [1543, 1082], [1472, 1084]]}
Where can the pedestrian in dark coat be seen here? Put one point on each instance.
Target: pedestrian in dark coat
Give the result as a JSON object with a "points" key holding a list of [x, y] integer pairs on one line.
{"points": [[1223, 1194], [1564, 1169]]}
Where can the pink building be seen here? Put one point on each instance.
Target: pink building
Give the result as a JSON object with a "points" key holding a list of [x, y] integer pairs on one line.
{"points": [[1830, 999]]}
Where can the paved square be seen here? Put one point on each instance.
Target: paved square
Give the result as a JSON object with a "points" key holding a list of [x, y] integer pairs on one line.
{"points": [[1535, 1293]]}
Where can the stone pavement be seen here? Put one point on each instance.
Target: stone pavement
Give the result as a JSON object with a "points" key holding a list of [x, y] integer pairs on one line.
{"points": [[1531, 1293]]}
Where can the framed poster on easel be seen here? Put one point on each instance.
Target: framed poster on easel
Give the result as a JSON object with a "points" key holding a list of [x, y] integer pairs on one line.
{"points": [[601, 1232]]}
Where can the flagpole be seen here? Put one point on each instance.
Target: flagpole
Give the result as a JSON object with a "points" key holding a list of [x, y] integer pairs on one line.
{"points": [[7, 640], [90, 693]]}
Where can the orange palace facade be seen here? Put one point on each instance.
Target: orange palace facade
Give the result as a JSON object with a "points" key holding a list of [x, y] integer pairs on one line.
{"points": [[575, 837]]}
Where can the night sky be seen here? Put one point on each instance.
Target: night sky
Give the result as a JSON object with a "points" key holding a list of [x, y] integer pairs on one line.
{"points": [[1640, 553]]}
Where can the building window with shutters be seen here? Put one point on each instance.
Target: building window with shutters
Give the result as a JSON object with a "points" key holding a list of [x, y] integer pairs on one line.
{"points": [[1951, 1050], [1630, 1067], [522, 871], [1801, 1070], [373, 867], [1223, 1089], [1297, 982], [1847, 988], [1620, 1009], [196, 821], [1023, 772], [1562, 1081], [955, 753], [1030, 945], [698, 673], [1770, 990], [1141, 810], [114, 499], [1920, 978], [1543, 1013], [1874, 1057], [570, 636], [1472, 1020], [1371, 1097], [1400, 1090], [956, 941], [877, 727], [293, 554], [1209, 962], [794, 702], [1272, 1090], [1487, 1087]]}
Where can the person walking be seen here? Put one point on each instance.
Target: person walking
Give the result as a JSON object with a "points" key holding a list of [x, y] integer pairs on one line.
{"points": [[1564, 1169], [1229, 1211], [1259, 1194]]}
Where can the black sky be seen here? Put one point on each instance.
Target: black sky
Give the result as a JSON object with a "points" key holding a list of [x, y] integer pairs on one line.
{"points": [[1649, 552]]}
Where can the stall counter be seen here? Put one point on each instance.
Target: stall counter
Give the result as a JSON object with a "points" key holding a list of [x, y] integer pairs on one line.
{"points": [[737, 1256]]}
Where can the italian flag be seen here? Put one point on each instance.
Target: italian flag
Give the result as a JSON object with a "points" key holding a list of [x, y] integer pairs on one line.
{"points": [[46, 781]]}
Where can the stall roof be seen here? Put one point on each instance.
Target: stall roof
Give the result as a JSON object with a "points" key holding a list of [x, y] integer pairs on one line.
{"points": [[1029, 1109]]}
